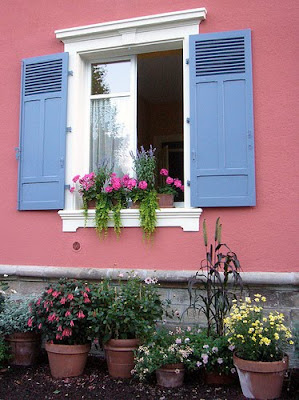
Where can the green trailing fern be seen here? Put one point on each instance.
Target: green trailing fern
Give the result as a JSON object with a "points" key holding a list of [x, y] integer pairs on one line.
{"points": [[103, 207], [147, 211]]}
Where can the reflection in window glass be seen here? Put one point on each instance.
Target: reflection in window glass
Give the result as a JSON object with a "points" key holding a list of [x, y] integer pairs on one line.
{"points": [[111, 137], [110, 78]]}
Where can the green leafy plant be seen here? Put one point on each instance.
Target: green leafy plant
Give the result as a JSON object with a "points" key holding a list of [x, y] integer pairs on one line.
{"points": [[257, 336], [213, 352], [17, 316], [220, 277], [128, 310], [3, 289], [4, 353], [147, 210], [162, 347], [145, 165], [103, 207], [62, 310]]}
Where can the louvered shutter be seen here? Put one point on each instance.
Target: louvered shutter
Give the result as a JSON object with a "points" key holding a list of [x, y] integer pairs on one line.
{"points": [[221, 118], [42, 132]]}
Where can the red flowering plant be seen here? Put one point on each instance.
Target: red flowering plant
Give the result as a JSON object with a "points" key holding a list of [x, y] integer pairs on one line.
{"points": [[61, 312], [170, 185]]}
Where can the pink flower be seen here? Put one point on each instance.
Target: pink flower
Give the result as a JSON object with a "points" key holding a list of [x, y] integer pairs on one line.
{"points": [[87, 300], [38, 301], [220, 360], [178, 341], [29, 322], [55, 294], [80, 314], [72, 323], [49, 291], [59, 328], [58, 337], [177, 183], [164, 172], [52, 317], [142, 185], [205, 358], [76, 178], [40, 326], [131, 183], [67, 313], [72, 189], [108, 189], [116, 183], [182, 188], [63, 300], [70, 296], [125, 179], [67, 332], [169, 180], [87, 289]]}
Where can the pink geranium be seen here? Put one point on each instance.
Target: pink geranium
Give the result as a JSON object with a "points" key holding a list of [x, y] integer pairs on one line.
{"points": [[142, 185], [164, 172], [177, 183], [108, 189], [169, 180], [76, 178]]}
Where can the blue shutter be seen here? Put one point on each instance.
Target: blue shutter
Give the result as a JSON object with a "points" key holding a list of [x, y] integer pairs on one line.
{"points": [[221, 118], [42, 132]]}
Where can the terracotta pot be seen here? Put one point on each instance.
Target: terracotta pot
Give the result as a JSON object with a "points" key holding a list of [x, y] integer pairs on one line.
{"points": [[135, 204], [261, 380], [120, 357], [67, 360], [24, 347], [171, 375], [165, 200], [91, 204], [214, 378]]}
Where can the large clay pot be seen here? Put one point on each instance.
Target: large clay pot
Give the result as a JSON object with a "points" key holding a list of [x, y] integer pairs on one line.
{"points": [[24, 348], [171, 375], [120, 357], [165, 200], [67, 360], [261, 380]]}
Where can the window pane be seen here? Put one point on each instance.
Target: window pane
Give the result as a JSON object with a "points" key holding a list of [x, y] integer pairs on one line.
{"points": [[111, 133], [110, 78]]}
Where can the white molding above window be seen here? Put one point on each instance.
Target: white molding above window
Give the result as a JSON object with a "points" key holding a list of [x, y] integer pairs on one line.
{"points": [[186, 218]]}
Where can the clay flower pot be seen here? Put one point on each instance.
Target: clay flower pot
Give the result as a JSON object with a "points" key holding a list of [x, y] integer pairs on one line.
{"points": [[165, 200], [120, 357], [261, 380], [67, 360], [171, 375], [24, 347]]}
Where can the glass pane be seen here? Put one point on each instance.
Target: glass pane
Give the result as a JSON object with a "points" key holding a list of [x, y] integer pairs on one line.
{"points": [[110, 78], [111, 134]]}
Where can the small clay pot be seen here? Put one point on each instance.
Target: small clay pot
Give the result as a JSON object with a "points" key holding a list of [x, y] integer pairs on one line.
{"points": [[171, 375], [165, 200]]}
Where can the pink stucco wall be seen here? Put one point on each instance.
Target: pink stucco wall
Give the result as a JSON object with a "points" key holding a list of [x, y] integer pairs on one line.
{"points": [[265, 237]]}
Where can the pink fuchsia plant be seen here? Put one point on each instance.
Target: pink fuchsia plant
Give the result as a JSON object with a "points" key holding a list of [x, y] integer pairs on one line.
{"points": [[170, 185], [61, 312]]}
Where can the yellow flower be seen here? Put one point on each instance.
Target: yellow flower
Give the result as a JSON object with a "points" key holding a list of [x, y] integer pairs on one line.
{"points": [[276, 336], [256, 299], [257, 295], [263, 299], [291, 342]]}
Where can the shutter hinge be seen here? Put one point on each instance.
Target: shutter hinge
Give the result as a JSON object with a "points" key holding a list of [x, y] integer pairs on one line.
{"points": [[187, 61], [188, 183], [188, 120], [68, 129], [70, 73], [67, 187], [18, 152]]}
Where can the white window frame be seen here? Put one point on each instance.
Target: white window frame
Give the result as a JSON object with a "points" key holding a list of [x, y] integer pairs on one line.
{"points": [[113, 40]]}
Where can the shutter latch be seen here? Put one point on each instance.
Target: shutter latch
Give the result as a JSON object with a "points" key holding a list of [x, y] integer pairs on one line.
{"points": [[68, 129], [188, 183], [18, 152]]}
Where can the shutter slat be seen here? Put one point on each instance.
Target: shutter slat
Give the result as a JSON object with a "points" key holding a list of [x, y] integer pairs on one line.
{"points": [[42, 132]]}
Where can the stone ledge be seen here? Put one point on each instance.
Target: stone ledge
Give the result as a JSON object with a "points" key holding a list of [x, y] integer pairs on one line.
{"points": [[49, 272]]}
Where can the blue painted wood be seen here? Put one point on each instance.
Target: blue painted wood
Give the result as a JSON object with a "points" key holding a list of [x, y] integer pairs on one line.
{"points": [[42, 132], [221, 120]]}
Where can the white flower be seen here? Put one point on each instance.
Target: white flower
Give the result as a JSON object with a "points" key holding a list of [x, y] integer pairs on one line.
{"points": [[13, 291], [215, 349], [148, 280], [187, 340], [120, 275], [220, 360], [177, 313], [178, 341], [5, 275], [205, 346], [205, 358], [188, 328], [177, 371], [198, 364], [231, 347], [233, 370], [154, 280]]}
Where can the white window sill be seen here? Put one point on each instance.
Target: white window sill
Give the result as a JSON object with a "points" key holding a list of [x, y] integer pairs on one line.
{"points": [[186, 218]]}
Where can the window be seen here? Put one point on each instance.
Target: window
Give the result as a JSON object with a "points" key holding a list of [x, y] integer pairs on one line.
{"points": [[198, 113]]}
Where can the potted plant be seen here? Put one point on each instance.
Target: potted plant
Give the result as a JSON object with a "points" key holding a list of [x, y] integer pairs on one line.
{"points": [[168, 190], [213, 355], [127, 315], [144, 192], [259, 339], [90, 185], [164, 353], [61, 317], [19, 329]]}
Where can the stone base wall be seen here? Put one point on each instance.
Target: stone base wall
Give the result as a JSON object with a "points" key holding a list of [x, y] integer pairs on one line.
{"points": [[281, 290]]}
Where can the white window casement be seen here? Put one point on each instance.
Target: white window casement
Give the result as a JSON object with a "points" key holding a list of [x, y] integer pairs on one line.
{"points": [[123, 48]]}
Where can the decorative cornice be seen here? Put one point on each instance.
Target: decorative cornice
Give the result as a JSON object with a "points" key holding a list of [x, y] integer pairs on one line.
{"points": [[149, 22]]}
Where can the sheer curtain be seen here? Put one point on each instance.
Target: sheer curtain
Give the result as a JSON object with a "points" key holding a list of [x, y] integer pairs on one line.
{"points": [[111, 136]]}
